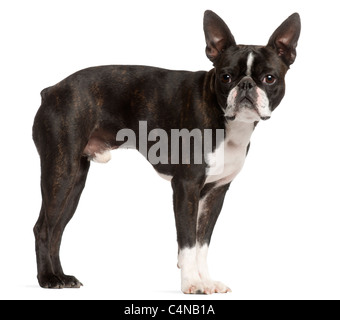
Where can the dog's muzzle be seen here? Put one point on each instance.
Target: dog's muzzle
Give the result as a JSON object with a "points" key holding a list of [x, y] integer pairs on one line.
{"points": [[247, 102]]}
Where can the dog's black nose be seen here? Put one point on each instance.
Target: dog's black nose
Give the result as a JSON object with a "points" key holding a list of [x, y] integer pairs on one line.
{"points": [[247, 83]]}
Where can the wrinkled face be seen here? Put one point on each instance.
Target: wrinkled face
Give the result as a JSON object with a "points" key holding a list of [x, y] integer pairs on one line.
{"points": [[249, 82]]}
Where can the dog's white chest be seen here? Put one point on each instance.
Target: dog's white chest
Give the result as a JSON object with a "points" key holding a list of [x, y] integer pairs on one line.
{"points": [[228, 158]]}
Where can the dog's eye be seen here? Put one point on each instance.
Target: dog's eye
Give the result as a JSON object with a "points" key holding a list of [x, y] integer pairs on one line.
{"points": [[226, 78], [269, 79]]}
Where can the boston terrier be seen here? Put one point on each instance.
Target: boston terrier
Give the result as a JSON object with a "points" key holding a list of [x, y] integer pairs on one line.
{"points": [[193, 127]]}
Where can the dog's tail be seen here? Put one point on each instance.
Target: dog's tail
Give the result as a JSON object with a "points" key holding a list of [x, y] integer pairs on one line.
{"points": [[43, 93], [36, 130]]}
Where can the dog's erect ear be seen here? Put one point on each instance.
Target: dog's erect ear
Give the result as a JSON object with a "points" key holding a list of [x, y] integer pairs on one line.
{"points": [[285, 39], [217, 35]]}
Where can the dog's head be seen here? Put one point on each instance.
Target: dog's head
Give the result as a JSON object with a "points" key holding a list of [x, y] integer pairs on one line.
{"points": [[249, 80]]}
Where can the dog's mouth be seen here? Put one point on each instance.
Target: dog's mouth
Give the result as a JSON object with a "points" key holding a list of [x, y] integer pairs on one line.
{"points": [[255, 117], [246, 102], [247, 106], [247, 112]]}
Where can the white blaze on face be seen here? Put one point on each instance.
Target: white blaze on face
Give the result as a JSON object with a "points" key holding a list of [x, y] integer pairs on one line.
{"points": [[250, 62]]}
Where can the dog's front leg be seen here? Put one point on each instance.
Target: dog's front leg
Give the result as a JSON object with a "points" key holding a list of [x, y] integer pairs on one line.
{"points": [[210, 206], [186, 199]]}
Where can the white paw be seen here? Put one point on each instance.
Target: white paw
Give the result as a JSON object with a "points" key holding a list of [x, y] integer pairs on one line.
{"points": [[192, 287], [218, 287], [204, 287]]}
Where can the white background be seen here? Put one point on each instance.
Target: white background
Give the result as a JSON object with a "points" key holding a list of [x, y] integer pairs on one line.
{"points": [[278, 235]]}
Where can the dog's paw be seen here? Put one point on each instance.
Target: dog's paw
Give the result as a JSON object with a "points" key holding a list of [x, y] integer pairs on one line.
{"points": [[193, 287], [51, 281], [70, 281], [216, 287], [204, 287]]}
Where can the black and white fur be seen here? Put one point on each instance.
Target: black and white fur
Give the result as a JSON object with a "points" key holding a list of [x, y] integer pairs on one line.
{"points": [[80, 117]]}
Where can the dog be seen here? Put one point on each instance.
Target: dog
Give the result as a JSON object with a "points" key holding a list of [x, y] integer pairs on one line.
{"points": [[99, 109]]}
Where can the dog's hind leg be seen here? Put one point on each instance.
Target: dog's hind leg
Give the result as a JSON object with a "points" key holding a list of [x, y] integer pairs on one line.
{"points": [[61, 190], [69, 210], [60, 143]]}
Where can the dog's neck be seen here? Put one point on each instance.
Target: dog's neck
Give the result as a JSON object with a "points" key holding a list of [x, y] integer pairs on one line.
{"points": [[238, 133]]}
